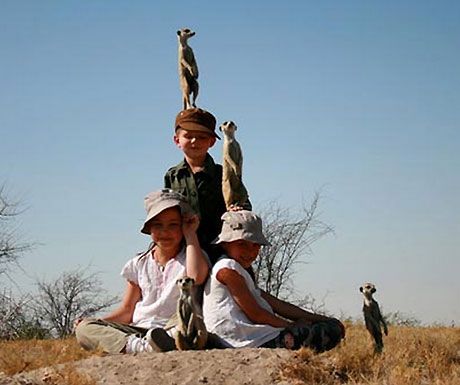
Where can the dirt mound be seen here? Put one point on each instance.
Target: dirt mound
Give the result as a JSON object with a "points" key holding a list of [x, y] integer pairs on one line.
{"points": [[230, 367]]}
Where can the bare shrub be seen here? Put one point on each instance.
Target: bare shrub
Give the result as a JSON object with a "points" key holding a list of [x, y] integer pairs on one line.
{"points": [[16, 318], [398, 318], [11, 245], [291, 235], [74, 294]]}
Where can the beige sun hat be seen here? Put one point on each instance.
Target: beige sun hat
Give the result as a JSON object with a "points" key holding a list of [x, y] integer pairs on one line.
{"points": [[158, 201], [241, 224]]}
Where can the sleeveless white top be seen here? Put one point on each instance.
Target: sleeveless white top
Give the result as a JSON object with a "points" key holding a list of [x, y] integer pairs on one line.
{"points": [[224, 317]]}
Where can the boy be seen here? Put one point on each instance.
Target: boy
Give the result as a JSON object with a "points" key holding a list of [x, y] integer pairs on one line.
{"points": [[197, 177], [151, 292], [241, 314]]}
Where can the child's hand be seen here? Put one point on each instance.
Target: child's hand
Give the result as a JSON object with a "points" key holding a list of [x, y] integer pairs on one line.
{"points": [[76, 323], [235, 208], [190, 225]]}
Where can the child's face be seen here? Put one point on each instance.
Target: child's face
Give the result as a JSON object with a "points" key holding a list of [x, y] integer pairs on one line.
{"points": [[242, 251], [166, 230], [194, 144]]}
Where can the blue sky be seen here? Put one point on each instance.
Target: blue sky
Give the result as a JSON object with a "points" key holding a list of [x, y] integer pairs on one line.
{"points": [[357, 99]]}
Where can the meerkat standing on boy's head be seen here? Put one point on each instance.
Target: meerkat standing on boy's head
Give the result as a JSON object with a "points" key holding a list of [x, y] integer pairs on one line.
{"points": [[188, 69], [233, 190], [191, 331], [372, 316]]}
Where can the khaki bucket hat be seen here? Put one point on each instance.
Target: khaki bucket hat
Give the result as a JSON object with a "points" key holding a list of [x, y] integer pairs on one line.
{"points": [[242, 224], [158, 201]]}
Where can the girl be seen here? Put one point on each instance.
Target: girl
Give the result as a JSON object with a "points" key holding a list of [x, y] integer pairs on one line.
{"points": [[151, 292], [241, 314]]}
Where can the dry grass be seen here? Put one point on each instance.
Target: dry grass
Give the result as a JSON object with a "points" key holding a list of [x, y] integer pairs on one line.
{"points": [[22, 356], [415, 356], [411, 356]]}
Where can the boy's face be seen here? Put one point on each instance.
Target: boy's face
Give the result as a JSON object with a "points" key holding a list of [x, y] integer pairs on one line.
{"points": [[194, 144], [166, 230], [242, 251]]}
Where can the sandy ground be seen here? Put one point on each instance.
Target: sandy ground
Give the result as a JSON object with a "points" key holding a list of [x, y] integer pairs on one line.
{"points": [[215, 367]]}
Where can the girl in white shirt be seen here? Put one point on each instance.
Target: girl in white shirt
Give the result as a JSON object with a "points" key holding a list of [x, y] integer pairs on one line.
{"points": [[241, 314], [151, 292]]}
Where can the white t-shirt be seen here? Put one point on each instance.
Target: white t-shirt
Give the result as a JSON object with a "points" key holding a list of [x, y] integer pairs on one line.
{"points": [[224, 317], [158, 287]]}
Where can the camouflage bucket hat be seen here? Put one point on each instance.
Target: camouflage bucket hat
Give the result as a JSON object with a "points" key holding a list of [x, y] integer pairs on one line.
{"points": [[158, 201], [244, 225]]}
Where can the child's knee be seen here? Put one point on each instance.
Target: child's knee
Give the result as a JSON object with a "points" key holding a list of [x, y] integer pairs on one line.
{"points": [[85, 335]]}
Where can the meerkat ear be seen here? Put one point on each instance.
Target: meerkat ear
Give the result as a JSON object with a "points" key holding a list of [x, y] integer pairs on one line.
{"points": [[178, 32], [361, 289], [373, 290]]}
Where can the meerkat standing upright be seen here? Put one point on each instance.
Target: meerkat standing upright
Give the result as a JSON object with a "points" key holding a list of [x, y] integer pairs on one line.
{"points": [[191, 330], [188, 69], [372, 316], [233, 190]]}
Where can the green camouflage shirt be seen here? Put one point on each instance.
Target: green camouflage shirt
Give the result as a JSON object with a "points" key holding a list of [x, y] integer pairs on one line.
{"points": [[204, 192]]}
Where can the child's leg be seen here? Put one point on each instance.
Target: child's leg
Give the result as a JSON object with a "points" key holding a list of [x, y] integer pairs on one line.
{"points": [[111, 337], [320, 337]]}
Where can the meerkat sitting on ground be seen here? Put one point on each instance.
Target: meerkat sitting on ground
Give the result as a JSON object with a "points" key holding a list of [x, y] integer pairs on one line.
{"points": [[372, 316], [233, 190], [188, 69], [191, 330]]}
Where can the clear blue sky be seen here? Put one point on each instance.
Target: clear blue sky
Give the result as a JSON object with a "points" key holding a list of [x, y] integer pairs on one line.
{"points": [[360, 99]]}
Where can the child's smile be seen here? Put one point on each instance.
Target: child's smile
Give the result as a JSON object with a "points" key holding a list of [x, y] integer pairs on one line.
{"points": [[166, 229], [242, 251]]}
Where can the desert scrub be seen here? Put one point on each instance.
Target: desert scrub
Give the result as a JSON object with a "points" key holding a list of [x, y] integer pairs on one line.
{"points": [[420, 355]]}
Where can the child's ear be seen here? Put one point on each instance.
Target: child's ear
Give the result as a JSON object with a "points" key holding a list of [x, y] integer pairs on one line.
{"points": [[212, 142], [176, 140]]}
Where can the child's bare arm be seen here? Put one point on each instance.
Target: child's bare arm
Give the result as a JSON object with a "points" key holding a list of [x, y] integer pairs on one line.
{"points": [[245, 300], [197, 266], [124, 313], [295, 313], [290, 311]]}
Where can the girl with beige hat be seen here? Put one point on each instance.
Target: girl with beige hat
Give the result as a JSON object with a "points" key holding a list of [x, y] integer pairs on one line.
{"points": [[151, 291], [241, 314]]}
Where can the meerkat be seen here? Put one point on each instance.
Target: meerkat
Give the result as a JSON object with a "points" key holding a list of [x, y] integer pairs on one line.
{"points": [[191, 330], [233, 190], [188, 69], [372, 316]]}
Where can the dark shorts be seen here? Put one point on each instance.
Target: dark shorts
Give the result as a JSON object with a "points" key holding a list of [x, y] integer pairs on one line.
{"points": [[320, 337]]}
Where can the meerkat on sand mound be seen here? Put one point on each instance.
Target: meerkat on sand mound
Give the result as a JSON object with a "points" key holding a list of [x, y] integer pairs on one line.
{"points": [[191, 330]]}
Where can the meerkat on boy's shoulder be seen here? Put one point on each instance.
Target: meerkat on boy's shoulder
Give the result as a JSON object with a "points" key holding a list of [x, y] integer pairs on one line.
{"points": [[372, 316], [188, 69], [233, 189]]}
